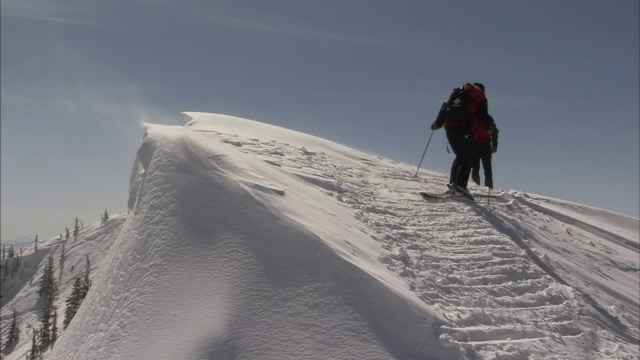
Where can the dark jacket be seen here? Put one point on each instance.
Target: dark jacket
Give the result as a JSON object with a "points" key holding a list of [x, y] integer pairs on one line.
{"points": [[486, 132]]}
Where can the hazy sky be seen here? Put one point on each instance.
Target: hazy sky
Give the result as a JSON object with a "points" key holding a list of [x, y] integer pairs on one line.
{"points": [[79, 78]]}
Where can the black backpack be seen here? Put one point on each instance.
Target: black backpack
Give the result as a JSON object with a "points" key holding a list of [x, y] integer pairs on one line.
{"points": [[457, 107]]}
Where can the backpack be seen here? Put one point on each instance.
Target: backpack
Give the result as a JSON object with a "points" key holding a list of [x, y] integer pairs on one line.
{"points": [[457, 108]]}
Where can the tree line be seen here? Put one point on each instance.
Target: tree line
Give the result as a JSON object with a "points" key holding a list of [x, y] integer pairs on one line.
{"points": [[46, 333]]}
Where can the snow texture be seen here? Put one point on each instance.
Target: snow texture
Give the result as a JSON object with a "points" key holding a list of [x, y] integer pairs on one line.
{"points": [[249, 241]]}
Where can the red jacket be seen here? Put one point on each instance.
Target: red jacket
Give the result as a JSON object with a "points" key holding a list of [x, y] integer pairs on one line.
{"points": [[479, 112]]}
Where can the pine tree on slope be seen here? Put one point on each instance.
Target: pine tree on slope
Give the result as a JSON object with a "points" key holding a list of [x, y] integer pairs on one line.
{"points": [[35, 351], [54, 328], [76, 229], [48, 293], [80, 289], [14, 332]]}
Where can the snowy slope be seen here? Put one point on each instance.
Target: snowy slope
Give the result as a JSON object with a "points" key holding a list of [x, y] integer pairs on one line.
{"points": [[20, 292], [249, 241]]}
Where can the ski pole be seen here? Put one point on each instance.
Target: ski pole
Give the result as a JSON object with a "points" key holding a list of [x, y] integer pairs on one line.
{"points": [[425, 151]]}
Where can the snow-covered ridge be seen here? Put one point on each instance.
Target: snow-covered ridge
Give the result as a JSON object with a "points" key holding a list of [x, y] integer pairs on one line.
{"points": [[250, 241]]}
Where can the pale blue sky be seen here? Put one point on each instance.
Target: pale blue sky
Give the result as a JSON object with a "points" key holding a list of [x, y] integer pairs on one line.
{"points": [[78, 78]]}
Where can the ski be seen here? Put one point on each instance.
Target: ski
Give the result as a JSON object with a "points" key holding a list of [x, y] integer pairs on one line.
{"points": [[459, 191], [444, 196], [436, 196]]}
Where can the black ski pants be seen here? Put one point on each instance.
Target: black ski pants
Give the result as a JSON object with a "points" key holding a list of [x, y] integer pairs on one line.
{"points": [[483, 153], [464, 149]]}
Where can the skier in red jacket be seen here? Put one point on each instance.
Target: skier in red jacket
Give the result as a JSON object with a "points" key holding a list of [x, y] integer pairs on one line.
{"points": [[464, 117]]}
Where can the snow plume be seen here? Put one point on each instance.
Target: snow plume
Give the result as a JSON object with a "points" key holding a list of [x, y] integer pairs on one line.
{"points": [[249, 241]]}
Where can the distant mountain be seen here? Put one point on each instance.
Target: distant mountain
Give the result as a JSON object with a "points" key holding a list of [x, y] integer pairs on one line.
{"points": [[249, 241], [21, 241]]}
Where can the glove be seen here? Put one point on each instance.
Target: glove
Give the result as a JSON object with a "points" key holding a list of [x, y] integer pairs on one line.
{"points": [[494, 149], [435, 126]]}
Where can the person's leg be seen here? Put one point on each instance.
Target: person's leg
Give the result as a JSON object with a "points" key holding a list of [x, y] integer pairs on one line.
{"points": [[484, 156], [488, 172], [467, 157], [455, 165], [475, 172], [454, 138]]}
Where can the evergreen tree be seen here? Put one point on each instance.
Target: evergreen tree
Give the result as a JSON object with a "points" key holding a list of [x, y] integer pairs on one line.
{"points": [[1, 278], [54, 327], [63, 257], [105, 217], [87, 273], [79, 291], [35, 350], [14, 332], [76, 229], [48, 293], [15, 267], [73, 302]]}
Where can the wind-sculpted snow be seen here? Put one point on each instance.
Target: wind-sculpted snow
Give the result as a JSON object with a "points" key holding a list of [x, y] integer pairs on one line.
{"points": [[206, 270], [249, 241]]}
